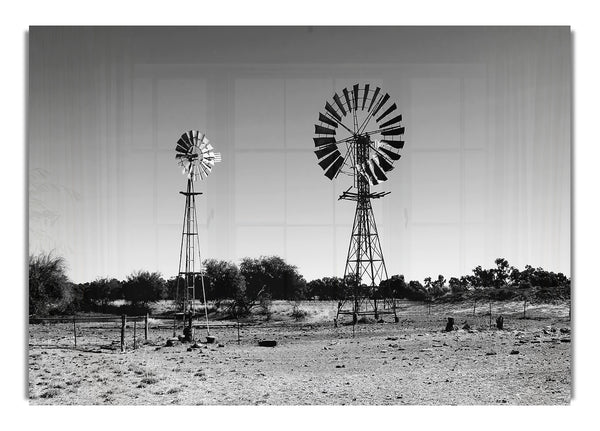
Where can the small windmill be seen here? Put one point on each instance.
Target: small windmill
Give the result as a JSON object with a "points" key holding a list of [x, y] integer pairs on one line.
{"points": [[197, 158], [359, 134]]}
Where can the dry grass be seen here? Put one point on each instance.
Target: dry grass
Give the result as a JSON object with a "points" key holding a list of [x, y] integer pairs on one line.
{"points": [[412, 362]]}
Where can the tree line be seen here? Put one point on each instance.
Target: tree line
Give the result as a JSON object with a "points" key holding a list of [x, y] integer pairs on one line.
{"points": [[256, 281]]}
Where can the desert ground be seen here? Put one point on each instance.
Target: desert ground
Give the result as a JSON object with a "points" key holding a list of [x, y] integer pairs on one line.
{"points": [[411, 362]]}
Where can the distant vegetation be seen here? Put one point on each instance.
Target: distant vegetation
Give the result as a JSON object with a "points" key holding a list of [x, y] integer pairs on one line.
{"points": [[257, 281]]}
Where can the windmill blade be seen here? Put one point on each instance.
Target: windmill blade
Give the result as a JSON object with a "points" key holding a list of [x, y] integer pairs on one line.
{"points": [[365, 96], [377, 170], [347, 97], [325, 150], [207, 164], [384, 163], [394, 131], [186, 139], [204, 169], [217, 157], [325, 119], [338, 102], [394, 144], [193, 136], [386, 113], [327, 161], [389, 153], [396, 119], [377, 90], [182, 146], [355, 96], [334, 168], [323, 141], [370, 174], [381, 103], [320, 130], [332, 111]]}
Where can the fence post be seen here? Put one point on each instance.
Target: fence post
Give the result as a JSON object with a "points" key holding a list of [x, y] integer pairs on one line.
{"points": [[134, 334], [146, 327], [74, 331], [490, 314], [174, 324], [238, 329], [123, 321]]}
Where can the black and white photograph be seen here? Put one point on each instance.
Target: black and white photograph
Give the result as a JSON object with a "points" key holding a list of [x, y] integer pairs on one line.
{"points": [[299, 215]]}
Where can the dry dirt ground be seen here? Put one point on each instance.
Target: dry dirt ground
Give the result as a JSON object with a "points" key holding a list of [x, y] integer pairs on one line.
{"points": [[410, 362]]}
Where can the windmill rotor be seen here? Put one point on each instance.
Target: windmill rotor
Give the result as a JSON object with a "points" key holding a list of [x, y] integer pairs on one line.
{"points": [[196, 155], [361, 115]]}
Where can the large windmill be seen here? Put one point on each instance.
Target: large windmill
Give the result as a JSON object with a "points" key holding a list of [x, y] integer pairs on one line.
{"points": [[359, 134], [197, 158]]}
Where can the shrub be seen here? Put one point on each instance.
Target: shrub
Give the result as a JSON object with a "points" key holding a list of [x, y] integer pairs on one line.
{"points": [[142, 287], [297, 313], [49, 287]]}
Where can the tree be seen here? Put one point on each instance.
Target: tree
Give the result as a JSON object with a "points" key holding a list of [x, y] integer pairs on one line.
{"points": [[415, 291], [483, 277], [143, 287], [326, 288], [501, 273], [102, 291], [438, 287], [222, 280], [278, 279], [49, 286], [457, 286]]}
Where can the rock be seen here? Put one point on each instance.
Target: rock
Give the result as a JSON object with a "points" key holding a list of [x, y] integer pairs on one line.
{"points": [[565, 330], [189, 349], [466, 326], [340, 366], [210, 339], [391, 338], [500, 322], [514, 352], [450, 324], [221, 345], [169, 343], [565, 340], [490, 353], [267, 343]]}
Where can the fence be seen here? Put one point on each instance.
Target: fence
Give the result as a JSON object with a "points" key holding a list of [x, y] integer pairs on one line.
{"points": [[114, 333], [127, 333]]}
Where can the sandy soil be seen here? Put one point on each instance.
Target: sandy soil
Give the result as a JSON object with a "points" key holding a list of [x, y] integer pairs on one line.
{"points": [[411, 362]]}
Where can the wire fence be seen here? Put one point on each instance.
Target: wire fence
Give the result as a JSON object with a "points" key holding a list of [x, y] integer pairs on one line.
{"points": [[124, 333]]}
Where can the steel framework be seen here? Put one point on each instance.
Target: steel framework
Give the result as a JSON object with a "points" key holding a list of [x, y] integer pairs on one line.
{"points": [[190, 264], [365, 265]]}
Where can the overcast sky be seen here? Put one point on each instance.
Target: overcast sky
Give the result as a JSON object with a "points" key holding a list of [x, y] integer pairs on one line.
{"points": [[485, 171]]}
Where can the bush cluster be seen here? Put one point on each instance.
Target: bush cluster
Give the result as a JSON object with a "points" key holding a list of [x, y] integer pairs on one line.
{"points": [[258, 281]]}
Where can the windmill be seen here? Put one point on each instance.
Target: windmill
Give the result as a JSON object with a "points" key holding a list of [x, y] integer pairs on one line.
{"points": [[197, 158], [359, 134]]}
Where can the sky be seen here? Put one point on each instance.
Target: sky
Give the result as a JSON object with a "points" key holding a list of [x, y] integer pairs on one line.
{"points": [[485, 172]]}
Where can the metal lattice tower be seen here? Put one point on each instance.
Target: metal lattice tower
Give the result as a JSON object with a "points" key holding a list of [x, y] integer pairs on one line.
{"points": [[197, 158], [369, 152], [365, 258]]}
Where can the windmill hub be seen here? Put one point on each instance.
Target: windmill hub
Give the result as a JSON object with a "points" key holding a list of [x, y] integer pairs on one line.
{"points": [[358, 134]]}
